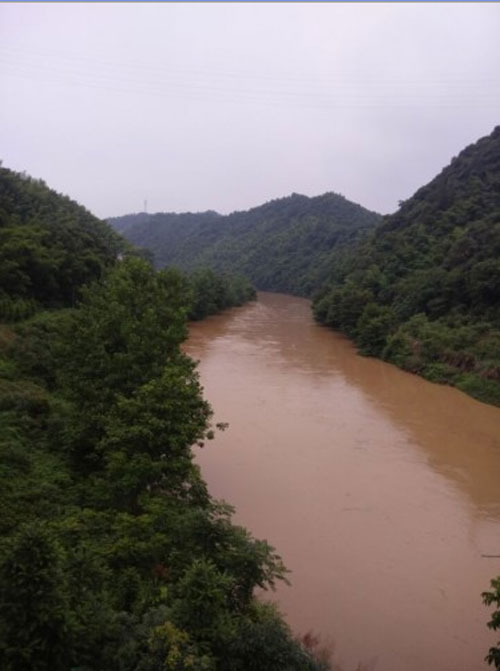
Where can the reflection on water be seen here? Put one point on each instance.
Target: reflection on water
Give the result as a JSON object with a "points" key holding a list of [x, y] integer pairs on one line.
{"points": [[378, 488]]}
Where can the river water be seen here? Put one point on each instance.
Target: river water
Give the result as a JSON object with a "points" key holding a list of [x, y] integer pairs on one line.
{"points": [[379, 489]]}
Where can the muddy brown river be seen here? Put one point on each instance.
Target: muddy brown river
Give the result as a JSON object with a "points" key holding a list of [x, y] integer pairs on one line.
{"points": [[379, 490]]}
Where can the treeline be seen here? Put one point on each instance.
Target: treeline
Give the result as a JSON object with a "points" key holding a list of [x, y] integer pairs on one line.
{"points": [[113, 554], [423, 290], [285, 245]]}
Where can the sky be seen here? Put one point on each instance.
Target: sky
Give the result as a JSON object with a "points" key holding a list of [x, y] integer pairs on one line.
{"points": [[223, 106]]}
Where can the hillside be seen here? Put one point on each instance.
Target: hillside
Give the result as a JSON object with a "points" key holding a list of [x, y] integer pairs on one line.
{"points": [[113, 554], [49, 246], [423, 290], [284, 245]]}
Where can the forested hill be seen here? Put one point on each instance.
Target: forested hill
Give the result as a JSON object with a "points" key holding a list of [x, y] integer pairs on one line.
{"points": [[49, 246], [113, 554], [423, 290], [284, 245]]}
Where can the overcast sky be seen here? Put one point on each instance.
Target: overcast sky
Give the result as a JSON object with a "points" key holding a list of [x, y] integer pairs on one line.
{"points": [[197, 106]]}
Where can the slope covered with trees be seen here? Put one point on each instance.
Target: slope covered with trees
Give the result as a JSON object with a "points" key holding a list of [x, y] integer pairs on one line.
{"points": [[113, 555], [423, 289], [284, 245], [49, 246]]}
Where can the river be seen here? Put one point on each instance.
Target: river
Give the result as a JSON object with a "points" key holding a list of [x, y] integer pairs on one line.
{"points": [[379, 489]]}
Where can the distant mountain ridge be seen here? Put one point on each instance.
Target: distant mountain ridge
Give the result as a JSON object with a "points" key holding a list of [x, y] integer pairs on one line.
{"points": [[283, 245]]}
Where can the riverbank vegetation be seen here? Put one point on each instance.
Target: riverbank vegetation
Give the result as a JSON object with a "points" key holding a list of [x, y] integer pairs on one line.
{"points": [[211, 293], [423, 289], [113, 554]]}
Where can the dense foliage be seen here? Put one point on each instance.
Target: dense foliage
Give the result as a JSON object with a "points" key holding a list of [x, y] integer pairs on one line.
{"points": [[285, 245], [211, 293], [423, 290], [49, 247], [113, 555]]}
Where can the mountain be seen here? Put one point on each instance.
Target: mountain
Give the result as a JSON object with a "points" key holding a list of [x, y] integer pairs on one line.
{"points": [[49, 246], [284, 245], [423, 289]]}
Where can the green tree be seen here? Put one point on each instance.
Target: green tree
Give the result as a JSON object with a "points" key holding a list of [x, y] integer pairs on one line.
{"points": [[124, 334], [147, 437], [35, 619]]}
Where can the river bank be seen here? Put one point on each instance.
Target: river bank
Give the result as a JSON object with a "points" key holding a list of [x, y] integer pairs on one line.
{"points": [[378, 488]]}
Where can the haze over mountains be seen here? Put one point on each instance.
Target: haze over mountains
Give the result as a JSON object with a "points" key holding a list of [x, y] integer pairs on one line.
{"points": [[420, 287]]}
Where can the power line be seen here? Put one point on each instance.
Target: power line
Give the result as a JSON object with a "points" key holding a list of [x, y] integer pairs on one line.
{"points": [[333, 99], [188, 85]]}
